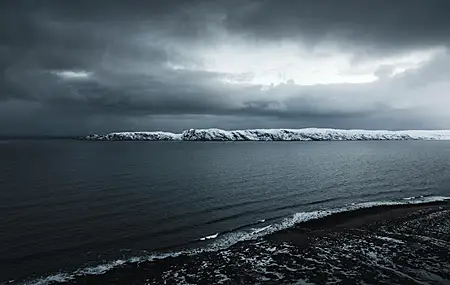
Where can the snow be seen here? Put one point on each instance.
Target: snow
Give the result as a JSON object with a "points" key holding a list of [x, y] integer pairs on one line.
{"points": [[310, 134], [135, 136]]}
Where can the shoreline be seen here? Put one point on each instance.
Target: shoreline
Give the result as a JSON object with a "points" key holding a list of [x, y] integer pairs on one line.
{"points": [[305, 134], [380, 227], [366, 218]]}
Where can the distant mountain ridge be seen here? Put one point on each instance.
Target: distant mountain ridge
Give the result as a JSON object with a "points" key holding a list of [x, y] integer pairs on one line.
{"points": [[308, 134]]}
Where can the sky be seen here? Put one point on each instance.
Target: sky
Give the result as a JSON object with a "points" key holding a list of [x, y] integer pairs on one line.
{"points": [[78, 67]]}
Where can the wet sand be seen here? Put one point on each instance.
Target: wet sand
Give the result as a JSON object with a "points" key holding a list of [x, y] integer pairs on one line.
{"points": [[367, 219], [406, 244]]}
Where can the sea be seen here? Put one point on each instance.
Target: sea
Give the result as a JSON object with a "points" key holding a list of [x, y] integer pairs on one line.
{"points": [[70, 208]]}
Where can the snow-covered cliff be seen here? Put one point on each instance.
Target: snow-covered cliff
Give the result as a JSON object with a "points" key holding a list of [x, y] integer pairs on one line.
{"points": [[310, 134], [134, 136]]}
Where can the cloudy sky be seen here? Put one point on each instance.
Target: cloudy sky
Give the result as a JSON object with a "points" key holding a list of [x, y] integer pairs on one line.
{"points": [[76, 67]]}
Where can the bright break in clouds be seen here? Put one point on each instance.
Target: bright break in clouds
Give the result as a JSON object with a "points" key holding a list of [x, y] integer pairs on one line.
{"points": [[75, 67]]}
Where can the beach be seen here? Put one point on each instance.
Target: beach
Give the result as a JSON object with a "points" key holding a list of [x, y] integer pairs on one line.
{"points": [[399, 244]]}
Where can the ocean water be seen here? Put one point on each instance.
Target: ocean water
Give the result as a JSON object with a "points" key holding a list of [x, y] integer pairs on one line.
{"points": [[77, 206]]}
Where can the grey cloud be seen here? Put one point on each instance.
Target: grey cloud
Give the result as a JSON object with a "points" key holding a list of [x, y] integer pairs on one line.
{"points": [[382, 24], [391, 102], [126, 47], [138, 101]]}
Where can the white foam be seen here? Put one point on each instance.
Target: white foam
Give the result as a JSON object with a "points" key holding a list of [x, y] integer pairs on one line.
{"points": [[389, 239], [412, 198], [256, 231], [98, 269], [102, 268], [235, 237], [210, 237], [227, 240], [60, 278]]}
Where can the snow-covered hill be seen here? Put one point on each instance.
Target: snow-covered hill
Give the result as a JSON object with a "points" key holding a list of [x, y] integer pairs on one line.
{"points": [[310, 134], [134, 136]]}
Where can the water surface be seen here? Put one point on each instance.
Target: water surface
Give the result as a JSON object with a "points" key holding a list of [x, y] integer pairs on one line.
{"points": [[70, 204]]}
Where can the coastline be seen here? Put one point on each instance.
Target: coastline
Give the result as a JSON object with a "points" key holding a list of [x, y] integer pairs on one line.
{"points": [[365, 218], [306, 134], [377, 245]]}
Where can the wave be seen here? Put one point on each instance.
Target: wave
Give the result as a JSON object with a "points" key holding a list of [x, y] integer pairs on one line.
{"points": [[256, 231], [309, 134], [227, 239], [210, 237]]}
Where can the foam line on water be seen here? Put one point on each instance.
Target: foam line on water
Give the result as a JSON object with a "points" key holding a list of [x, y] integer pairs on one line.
{"points": [[222, 241], [210, 237]]}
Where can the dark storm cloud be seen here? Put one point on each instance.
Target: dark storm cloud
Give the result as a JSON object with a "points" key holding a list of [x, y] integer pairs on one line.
{"points": [[126, 48], [384, 23]]}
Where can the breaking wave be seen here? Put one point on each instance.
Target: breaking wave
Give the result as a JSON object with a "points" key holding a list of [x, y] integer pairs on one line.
{"points": [[226, 239]]}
